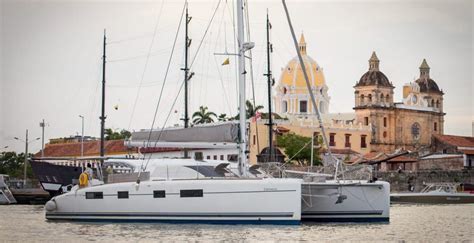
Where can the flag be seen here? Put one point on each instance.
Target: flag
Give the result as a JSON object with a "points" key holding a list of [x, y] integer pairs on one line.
{"points": [[226, 62]]}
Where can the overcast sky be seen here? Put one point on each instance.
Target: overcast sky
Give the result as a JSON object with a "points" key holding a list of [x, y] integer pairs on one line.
{"points": [[51, 57]]}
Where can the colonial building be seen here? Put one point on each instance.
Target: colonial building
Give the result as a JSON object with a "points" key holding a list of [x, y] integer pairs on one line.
{"points": [[409, 124], [378, 124]]}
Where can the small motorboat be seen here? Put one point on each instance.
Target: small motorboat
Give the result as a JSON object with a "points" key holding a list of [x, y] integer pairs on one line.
{"points": [[6, 196], [436, 193]]}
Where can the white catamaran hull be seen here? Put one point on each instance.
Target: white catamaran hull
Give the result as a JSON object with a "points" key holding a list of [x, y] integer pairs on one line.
{"points": [[268, 201], [348, 201]]}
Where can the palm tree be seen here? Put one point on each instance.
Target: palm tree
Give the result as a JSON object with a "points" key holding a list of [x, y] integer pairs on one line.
{"points": [[222, 117], [203, 116], [251, 111]]}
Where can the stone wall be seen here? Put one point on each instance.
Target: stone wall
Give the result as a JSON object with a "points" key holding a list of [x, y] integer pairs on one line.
{"points": [[455, 163], [400, 182]]}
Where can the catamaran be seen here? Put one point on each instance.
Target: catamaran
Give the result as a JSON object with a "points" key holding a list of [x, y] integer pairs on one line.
{"points": [[243, 199]]}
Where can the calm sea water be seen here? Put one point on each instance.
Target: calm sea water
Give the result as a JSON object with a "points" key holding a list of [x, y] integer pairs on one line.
{"points": [[453, 223]]}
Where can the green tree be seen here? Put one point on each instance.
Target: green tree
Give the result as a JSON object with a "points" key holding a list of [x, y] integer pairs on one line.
{"points": [[111, 134], [13, 164], [203, 115], [293, 145], [250, 110]]}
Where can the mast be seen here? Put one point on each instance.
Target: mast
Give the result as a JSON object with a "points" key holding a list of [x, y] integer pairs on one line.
{"points": [[187, 43], [242, 112], [269, 84], [102, 116]]}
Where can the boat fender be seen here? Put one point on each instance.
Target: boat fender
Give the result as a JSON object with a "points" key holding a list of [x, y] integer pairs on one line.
{"points": [[83, 179], [50, 206]]}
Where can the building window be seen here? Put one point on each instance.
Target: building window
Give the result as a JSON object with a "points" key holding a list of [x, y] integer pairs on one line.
{"points": [[385, 122], [285, 106], [370, 98], [366, 121], [332, 139], [94, 195], [303, 106], [159, 194], [363, 143], [432, 103], [347, 144], [384, 134], [435, 126], [198, 155], [362, 99], [437, 104], [254, 139], [122, 195], [387, 98], [191, 193]]}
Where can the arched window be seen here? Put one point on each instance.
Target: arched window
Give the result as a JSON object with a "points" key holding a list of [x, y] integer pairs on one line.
{"points": [[437, 104], [432, 103], [285, 106], [435, 126], [387, 98], [362, 99], [381, 98], [370, 98]]}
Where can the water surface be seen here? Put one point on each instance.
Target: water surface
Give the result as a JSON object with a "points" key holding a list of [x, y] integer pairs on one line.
{"points": [[453, 223]]}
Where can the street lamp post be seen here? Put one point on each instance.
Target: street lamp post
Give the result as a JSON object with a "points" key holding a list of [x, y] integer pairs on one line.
{"points": [[26, 155], [82, 136], [42, 125]]}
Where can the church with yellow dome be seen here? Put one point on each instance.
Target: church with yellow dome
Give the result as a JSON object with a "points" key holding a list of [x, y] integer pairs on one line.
{"points": [[292, 95]]}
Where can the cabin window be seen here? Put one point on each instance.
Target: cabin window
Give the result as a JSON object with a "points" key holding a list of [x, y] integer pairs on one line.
{"points": [[159, 194], [332, 139], [198, 155], [363, 143], [215, 157], [222, 157], [122, 195], [94, 195], [208, 157], [191, 193]]}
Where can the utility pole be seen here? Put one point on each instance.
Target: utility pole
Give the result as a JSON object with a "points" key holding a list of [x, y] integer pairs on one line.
{"points": [[102, 116], [187, 43], [269, 84], [26, 155], [82, 136], [42, 125]]}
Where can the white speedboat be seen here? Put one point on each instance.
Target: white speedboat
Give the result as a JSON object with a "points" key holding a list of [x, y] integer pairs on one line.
{"points": [[436, 193]]}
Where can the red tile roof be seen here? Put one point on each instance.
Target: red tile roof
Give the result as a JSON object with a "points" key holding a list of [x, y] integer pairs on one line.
{"points": [[91, 148], [458, 141]]}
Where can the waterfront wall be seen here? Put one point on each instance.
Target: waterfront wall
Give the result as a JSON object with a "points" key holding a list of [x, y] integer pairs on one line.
{"points": [[400, 182]]}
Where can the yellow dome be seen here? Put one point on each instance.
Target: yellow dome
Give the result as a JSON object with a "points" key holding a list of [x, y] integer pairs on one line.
{"points": [[292, 74]]}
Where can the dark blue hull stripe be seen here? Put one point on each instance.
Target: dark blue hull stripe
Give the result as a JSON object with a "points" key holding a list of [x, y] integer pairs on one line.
{"points": [[190, 221], [318, 213], [171, 215], [347, 220]]}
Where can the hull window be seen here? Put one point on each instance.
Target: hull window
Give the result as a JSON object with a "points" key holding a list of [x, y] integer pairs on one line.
{"points": [[122, 195], [191, 193], [94, 195], [159, 194]]}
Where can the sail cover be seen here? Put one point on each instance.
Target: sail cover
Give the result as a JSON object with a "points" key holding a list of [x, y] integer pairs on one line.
{"points": [[213, 133]]}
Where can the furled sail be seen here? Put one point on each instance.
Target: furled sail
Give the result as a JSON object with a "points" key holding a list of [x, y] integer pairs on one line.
{"points": [[222, 135]]}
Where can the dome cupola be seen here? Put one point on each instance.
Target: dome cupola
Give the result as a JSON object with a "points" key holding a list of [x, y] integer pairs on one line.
{"points": [[427, 85], [374, 77]]}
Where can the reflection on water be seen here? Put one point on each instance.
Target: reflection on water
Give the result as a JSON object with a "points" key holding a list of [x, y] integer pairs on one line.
{"points": [[410, 222]]}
